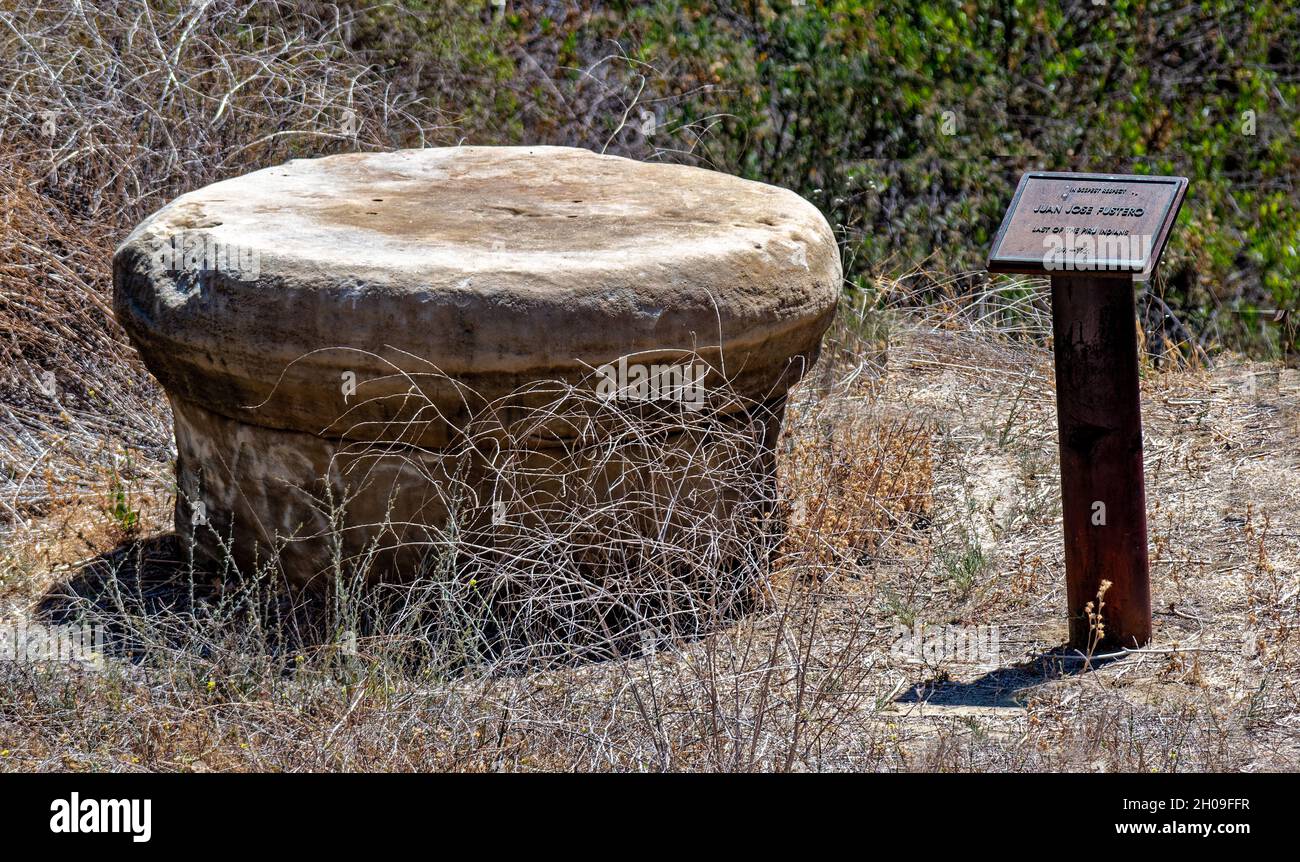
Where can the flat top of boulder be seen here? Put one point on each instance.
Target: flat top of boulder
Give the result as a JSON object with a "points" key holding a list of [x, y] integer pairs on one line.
{"points": [[474, 208], [480, 260]]}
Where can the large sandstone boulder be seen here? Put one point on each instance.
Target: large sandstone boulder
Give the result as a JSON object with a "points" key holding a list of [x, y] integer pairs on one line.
{"points": [[328, 329]]}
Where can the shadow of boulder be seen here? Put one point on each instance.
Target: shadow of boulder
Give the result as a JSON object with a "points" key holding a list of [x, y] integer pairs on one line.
{"points": [[139, 577], [145, 594]]}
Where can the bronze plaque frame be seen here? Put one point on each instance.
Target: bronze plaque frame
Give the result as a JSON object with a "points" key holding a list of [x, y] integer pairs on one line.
{"points": [[1104, 213]]}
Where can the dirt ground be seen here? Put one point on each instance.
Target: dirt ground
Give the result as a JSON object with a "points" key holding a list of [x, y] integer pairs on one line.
{"points": [[1215, 688]]}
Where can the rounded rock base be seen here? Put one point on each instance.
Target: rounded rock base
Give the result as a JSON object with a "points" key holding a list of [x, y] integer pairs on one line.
{"points": [[311, 510]]}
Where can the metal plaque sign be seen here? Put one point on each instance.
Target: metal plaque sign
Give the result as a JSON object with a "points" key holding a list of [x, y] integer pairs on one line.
{"points": [[1089, 224]]}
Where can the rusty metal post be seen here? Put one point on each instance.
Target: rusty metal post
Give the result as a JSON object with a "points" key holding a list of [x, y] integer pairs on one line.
{"points": [[1102, 485]]}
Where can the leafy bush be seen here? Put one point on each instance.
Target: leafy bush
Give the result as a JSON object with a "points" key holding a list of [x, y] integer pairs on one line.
{"points": [[909, 122]]}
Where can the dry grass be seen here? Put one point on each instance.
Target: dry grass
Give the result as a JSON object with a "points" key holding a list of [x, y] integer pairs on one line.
{"points": [[959, 417]]}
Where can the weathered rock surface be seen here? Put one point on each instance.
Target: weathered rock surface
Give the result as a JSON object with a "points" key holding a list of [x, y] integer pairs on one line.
{"points": [[468, 271]]}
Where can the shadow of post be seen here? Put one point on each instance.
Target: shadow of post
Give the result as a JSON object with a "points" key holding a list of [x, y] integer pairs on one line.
{"points": [[1007, 686]]}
